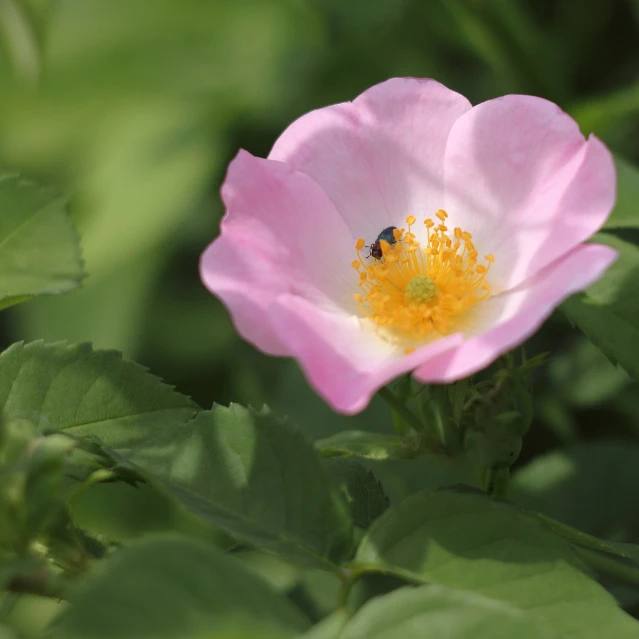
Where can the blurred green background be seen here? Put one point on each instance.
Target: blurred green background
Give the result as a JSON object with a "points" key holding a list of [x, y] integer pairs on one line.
{"points": [[135, 107]]}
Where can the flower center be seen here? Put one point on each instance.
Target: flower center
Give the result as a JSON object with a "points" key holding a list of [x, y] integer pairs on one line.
{"points": [[420, 289], [417, 292]]}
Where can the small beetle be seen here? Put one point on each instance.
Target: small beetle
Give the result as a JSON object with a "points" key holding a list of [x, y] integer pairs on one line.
{"points": [[376, 248]]}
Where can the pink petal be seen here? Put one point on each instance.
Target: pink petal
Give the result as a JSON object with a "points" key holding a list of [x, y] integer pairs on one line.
{"points": [[523, 180], [281, 234], [518, 313], [345, 363], [381, 157]]}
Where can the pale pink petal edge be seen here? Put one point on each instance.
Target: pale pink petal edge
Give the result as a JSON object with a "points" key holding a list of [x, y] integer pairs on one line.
{"points": [[570, 274], [345, 363]]}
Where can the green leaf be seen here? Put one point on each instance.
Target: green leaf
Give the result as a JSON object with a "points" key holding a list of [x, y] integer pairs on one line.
{"points": [[83, 392], [616, 338], [436, 612], [255, 476], [39, 250], [366, 445], [363, 492], [123, 512], [173, 588], [329, 628], [626, 211], [591, 486], [463, 539], [608, 313], [6, 633]]}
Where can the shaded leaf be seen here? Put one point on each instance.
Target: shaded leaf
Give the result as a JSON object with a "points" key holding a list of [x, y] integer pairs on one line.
{"points": [[463, 539], [616, 338], [255, 476], [174, 588], [362, 491], [39, 249], [592, 486], [626, 211]]}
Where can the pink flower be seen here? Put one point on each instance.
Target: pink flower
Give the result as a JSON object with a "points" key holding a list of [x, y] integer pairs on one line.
{"points": [[491, 205]]}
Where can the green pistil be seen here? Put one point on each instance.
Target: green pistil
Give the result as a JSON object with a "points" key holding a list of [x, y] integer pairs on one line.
{"points": [[420, 289]]}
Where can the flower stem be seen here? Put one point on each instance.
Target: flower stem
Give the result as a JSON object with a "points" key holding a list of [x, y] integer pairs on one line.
{"points": [[497, 482], [411, 419]]}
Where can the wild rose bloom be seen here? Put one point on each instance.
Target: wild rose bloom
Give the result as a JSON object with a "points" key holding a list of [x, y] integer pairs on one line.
{"points": [[491, 205]]}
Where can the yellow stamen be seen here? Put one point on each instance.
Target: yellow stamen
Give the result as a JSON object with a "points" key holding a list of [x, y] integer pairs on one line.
{"points": [[416, 293]]}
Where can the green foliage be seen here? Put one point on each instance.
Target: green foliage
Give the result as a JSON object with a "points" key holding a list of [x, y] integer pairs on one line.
{"points": [[31, 477], [78, 391], [608, 313], [592, 487], [465, 540], [132, 111], [179, 589], [39, 250], [614, 336], [435, 612], [254, 475], [366, 445], [362, 491]]}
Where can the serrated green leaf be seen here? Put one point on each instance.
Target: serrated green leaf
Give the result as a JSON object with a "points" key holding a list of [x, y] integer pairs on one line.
{"points": [[436, 612], [360, 443], [255, 476], [608, 314], [174, 588], [39, 249], [83, 392], [363, 492], [618, 289], [463, 539], [616, 338]]}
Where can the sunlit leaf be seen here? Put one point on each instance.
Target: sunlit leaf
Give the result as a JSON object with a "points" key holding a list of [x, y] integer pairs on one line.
{"points": [[255, 476], [466, 540], [436, 612], [83, 392]]}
